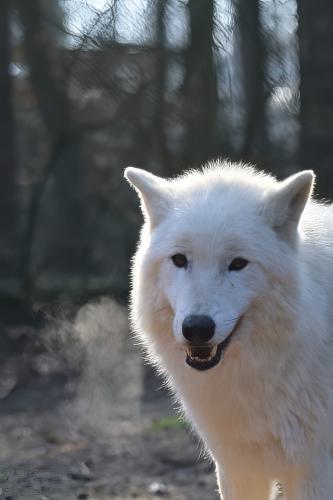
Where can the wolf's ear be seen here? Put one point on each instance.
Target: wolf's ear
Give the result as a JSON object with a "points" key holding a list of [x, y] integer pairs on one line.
{"points": [[153, 193], [288, 202]]}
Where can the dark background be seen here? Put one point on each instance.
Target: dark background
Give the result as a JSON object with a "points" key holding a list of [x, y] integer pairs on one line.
{"points": [[89, 87], [159, 84]]}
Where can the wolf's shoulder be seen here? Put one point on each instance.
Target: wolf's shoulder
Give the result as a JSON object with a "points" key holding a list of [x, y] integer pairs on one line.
{"points": [[317, 242], [317, 219]]}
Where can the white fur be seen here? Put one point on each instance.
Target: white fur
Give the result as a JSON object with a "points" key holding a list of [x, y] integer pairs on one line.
{"points": [[265, 411]]}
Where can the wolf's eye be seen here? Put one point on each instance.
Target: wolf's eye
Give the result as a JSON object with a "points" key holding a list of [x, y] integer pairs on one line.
{"points": [[238, 264], [179, 260]]}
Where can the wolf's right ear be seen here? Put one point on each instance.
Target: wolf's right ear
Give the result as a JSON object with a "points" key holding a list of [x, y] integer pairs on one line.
{"points": [[153, 193]]}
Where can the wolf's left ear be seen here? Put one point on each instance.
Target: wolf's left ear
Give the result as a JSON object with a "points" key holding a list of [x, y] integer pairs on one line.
{"points": [[153, 192], [288, 201]]}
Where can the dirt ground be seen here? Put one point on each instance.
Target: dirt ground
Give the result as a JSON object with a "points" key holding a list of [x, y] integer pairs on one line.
{"points": [[101, 431], [42, 457]]}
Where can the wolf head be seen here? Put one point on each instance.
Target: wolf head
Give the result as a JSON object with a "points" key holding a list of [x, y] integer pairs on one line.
{"points": [[216, 244]]}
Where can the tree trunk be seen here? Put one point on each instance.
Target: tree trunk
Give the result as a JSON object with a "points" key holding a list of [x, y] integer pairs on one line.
{"points": [[252, 50], [201, 99], [7, 156], [316, 89], [159, 132], [46, 74], [68, 243]]}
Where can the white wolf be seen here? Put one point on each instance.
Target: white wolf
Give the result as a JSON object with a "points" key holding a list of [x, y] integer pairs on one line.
{"points": [[233, 298]]}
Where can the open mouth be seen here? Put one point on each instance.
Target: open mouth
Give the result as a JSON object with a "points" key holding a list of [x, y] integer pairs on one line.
{"points": [[204, 357]]}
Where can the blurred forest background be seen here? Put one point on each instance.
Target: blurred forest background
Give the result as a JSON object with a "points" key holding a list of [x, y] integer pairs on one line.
{"points": [[88, 87]]}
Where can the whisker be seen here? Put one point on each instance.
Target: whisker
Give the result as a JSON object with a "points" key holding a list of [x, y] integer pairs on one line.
{"points": [[231, 320]]}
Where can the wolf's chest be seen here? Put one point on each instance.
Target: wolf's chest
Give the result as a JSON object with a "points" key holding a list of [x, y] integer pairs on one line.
{"points": [[231, 414], [223, 411]]}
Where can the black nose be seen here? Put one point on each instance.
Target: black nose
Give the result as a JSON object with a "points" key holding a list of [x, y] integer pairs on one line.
{"points": [[198, 329]]}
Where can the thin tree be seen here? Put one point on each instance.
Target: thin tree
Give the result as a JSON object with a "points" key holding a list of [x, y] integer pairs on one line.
{"points": [[159, 128], [253, 60], [65, 161], [7, 155], [316, 89], [200, 87]]}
